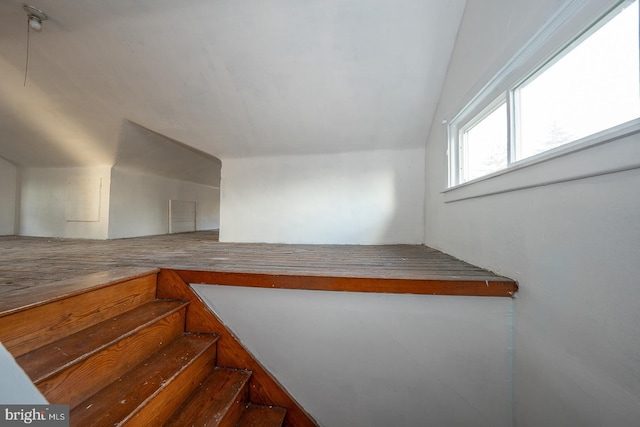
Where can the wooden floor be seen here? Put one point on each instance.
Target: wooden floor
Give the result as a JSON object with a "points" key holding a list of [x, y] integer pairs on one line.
{"points": [[28, 262]]}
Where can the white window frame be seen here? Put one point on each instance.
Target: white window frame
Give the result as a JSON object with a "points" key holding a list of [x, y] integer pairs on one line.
{"points": [[558, 36]]}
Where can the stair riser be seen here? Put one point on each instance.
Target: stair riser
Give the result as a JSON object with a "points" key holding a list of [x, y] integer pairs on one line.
{"points": [[83, 379], [158, 409], [219, 401], [235, 411], [27, 330], [263, 416]]}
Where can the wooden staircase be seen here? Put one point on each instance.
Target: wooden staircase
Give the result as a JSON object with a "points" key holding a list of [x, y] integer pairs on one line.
{"points": [[119, 352]]}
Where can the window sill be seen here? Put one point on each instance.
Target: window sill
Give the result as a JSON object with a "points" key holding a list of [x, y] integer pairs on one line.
{"points": [[611, 151]]}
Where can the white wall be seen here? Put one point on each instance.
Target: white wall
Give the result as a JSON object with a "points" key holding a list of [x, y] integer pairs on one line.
{"points": [[355, 359], [8, 194], [573, 246], [16, 387], [44, 207], [357, 198], [140, 203]]}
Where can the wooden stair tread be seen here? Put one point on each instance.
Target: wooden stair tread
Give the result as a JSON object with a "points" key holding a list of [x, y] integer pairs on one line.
{"points": [[41, 363], [26, 298], [55, 317], [124, 400], [218, 401], [262, 416]]}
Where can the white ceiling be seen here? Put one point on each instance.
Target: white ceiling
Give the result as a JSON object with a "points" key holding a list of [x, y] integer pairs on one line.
{"points": [[228, 78]]}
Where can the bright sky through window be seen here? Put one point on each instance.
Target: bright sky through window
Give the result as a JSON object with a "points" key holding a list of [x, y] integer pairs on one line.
{"points": [[593, 87], [485, 145]]}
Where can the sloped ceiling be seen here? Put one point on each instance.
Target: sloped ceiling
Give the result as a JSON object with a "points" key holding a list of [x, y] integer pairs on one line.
{"points": [[228, 78], [143, 150]]}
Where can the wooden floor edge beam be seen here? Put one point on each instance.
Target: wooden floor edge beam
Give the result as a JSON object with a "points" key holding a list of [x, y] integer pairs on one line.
{"points": [[491, 287]]}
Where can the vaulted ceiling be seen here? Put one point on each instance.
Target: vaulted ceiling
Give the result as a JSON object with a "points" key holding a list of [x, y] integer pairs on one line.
{"points": [[226, 78]]}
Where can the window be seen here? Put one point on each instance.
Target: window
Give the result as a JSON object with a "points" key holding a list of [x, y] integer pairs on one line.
{"points": [[592, 85], [484, 143]]}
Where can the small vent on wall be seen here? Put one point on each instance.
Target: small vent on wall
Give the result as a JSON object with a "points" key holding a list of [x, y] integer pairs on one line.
{"points": [[182, 216]]}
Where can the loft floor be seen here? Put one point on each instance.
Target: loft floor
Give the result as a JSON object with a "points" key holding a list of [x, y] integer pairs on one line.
{"points": [[30, 262]]}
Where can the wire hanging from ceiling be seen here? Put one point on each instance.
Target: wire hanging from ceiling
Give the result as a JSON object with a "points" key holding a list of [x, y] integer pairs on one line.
{"points": [[35, 17], [26, 65]]}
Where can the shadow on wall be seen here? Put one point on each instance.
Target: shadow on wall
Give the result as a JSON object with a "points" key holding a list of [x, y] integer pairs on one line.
{"points": [[349, 198], [358, 208], [143, 150]]}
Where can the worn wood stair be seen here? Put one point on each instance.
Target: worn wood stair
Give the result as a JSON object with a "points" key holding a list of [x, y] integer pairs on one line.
{"points": [[119, 356]]}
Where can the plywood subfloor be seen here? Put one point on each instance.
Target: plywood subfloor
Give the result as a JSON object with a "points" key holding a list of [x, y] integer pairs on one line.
{"points": [[27, 261]]}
